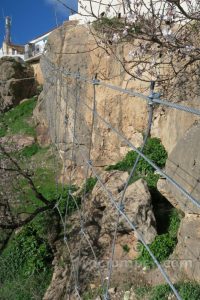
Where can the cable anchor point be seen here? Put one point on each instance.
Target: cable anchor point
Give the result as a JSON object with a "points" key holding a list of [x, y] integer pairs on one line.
{"points": [[95, 81]]}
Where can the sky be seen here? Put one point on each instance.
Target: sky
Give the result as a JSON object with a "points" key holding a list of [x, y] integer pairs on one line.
{"points": [[32, 18]]}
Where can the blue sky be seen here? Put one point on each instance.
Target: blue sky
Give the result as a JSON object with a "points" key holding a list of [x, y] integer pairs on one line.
{"points": [[31, 18]]}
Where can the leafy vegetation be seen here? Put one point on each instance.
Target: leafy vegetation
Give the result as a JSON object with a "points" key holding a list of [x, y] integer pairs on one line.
{"points": [[20, 288], [155, 151], [164, 244], [93, 293], [26, 264], [69, 203], [89, 185], [17, 120], [126, 248], [187, 290], [30, 150]]}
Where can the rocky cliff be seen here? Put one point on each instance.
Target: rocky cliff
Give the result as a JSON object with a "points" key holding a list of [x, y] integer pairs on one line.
{"points": [[16, 82], [73, 48]]}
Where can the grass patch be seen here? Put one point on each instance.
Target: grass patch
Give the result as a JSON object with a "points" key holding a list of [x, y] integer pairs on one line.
{"points": [[43, 169], [164, 244], [93, 293], [17, 120], [187, 291], [31, 287]]}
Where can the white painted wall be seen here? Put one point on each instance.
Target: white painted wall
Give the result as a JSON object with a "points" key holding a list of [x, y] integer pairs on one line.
{"points": [[10, 53], [36, 47], [86, 8]]}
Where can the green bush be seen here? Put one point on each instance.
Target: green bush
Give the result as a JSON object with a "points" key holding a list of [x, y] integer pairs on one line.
{"points": [[155, 151], [67, 203], [30, 150], [89, 185], [25, 265], [26, 254], [189, 290], [163, 245], [126, 248]]}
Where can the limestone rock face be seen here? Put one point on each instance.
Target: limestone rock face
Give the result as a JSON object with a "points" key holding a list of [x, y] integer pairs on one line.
{"points": [[170, 124], [72, 47], [183, 164], [137, 206], [57, 103], [187, 250], [13, 86]]}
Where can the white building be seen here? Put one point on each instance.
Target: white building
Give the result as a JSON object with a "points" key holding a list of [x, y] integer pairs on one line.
{"points": [[30, 52], [35, 48], [8, 48], [89, 10], [12, 50]]}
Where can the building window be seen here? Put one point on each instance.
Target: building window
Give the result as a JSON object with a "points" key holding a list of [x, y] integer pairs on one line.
{"points": [[37, 49]]}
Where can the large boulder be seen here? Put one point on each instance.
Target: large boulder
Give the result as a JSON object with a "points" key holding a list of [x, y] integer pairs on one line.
{"points": [[16, 82], [100, 219], [137, 206], [17, 142], [183, 165]]}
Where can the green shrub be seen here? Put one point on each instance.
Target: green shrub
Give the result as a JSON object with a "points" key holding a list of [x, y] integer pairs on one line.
{"points": [[189, 290], [163, 245], [126, 248], [89, 185], [155, 151], [67, 203], [30, 150], [26, 254], [26, 264]]}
